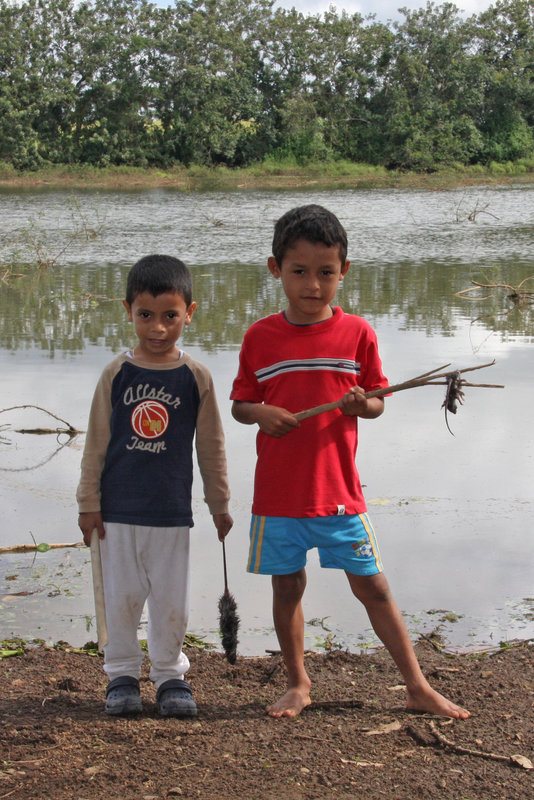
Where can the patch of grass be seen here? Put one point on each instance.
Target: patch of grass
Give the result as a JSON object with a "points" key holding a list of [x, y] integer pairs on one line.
{"points": [[329, 643], [270, 173], [12, 647], [191, 640]]}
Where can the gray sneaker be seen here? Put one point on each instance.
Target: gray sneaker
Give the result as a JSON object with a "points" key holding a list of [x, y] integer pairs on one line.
{"points": [[175, 699], [123, 696]]}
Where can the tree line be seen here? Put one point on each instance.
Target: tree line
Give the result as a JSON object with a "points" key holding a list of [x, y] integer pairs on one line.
{"points": [[234, 82]]}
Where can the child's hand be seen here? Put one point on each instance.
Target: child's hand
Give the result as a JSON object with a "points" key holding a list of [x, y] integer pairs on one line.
{"points": [[272, 420], [223, 523], [356, 404], [275, 421], [87, 522]]}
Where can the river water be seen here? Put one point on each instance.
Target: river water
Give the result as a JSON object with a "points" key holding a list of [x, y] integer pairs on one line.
{"points": [[453, 513]]}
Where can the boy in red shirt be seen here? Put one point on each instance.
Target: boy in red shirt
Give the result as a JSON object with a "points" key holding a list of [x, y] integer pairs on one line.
{"points": [[307, 491]]}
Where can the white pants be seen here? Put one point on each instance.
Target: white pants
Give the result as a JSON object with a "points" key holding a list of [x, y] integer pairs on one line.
{"points": [[142, 564]]}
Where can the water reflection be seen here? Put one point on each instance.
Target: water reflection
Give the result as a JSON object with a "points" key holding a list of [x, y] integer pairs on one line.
{"points": [[411, 252], [65, 309]]}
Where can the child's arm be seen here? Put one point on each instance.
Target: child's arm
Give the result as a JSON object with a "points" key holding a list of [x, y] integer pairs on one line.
{"points": [[211, 453], [355, 404], [94, 454], [272, 420]]}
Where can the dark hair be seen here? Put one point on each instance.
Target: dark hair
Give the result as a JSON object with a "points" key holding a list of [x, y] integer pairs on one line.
{"points": [[157, 275], [313, 223]]}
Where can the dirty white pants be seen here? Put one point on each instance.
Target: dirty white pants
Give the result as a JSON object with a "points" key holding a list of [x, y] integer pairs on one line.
{"points": [[142, 564]]}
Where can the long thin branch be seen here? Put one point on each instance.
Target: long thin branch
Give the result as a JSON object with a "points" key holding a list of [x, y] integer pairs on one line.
{"points": [[43, 431], [467, 383], [421, 380], [468, 751]]}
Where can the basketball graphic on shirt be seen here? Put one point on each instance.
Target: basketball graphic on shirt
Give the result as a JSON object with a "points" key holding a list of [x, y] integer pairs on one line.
{"points": [[150, 419]]}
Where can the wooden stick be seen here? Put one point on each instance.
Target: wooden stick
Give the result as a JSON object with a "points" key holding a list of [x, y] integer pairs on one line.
{"points": [[224, 567], [28, 548], [431, 372], [468, 751], [313, 412], [421, 380], [467, 383], [98, 589]]}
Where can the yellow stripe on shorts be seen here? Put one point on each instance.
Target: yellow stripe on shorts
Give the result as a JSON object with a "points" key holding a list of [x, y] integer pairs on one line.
{"points": [[366, 522], [256, 541]]}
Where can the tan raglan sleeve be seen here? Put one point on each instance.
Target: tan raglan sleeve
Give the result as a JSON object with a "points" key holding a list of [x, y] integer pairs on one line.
{"points": [[96, 441], [210, 446]]}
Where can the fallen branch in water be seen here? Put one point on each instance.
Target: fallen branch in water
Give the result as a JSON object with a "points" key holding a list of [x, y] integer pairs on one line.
{"points": [[42, 431], [426, 379], [517, 294], [40, 548], [70, 430]]}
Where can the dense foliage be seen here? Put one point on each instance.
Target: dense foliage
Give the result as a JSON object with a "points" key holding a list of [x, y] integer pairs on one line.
{"points": [[232, 82]]}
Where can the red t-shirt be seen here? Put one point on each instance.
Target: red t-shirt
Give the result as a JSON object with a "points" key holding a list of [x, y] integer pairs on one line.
{"points": [[310, 472]]}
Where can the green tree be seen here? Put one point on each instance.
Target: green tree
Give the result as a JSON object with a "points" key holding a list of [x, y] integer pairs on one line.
{"points": [[434, 92], [353, 57], [291, 120], [505, 38], [36, 89], [206, 82], [205, 77], [112, 119]]}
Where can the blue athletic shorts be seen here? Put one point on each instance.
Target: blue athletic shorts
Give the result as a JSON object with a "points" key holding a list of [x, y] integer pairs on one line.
{"points": [[278, 545]]}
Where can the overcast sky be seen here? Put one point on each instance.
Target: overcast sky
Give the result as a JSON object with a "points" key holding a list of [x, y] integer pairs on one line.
{"points": [[384, 9]]}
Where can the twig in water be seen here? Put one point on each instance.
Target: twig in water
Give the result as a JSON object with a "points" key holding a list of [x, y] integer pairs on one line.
{"points": [[518, 295], [70, 430]]}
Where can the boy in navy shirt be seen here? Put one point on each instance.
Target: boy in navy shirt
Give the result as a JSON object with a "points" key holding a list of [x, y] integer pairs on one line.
{"points": [[150, 405]]}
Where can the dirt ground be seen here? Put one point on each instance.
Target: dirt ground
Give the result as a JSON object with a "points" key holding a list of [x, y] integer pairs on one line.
{"points": [[355, 741]]}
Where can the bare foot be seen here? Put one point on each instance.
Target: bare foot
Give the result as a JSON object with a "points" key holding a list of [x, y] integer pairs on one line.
{"points": [[427, 699], [291, 704]]}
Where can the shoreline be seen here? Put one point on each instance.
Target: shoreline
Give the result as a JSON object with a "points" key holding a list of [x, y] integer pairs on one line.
{"points": [[203, 179], [13, 646]]}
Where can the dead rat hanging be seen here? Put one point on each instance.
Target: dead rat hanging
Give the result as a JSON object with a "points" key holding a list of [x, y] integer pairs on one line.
{"points": [[453, 395], [228, 618]]}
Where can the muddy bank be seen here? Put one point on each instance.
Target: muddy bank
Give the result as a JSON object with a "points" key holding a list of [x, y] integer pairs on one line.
{"points": [[354, 741]]}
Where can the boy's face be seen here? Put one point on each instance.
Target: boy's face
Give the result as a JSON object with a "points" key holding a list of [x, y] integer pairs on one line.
{"points": [[310, 273], [159, 322]]}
